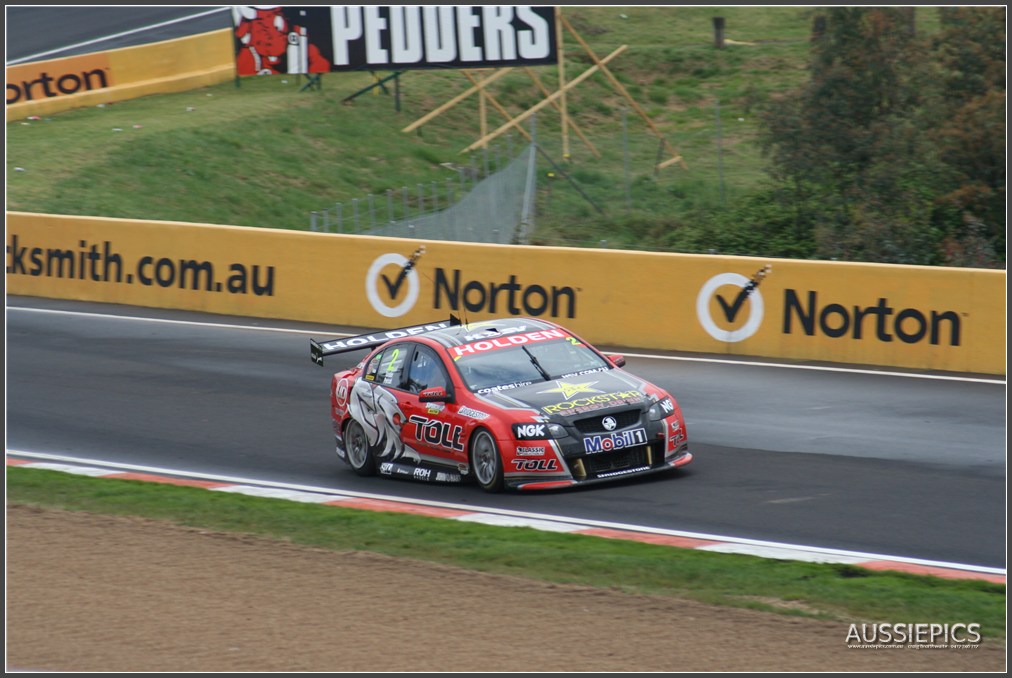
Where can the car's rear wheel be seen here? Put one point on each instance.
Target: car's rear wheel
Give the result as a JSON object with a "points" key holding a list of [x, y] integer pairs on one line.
{"points": [[360, 456], [486, 462]]}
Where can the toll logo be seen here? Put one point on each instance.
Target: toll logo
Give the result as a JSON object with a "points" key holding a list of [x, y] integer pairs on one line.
{"points": [[393, 277], [536, 464], [739, 311]]}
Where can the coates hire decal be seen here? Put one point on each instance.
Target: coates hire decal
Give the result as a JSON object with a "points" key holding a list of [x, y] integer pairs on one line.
{"points": [[393, 286], [56, 78], [320, 39], [804, 312]]}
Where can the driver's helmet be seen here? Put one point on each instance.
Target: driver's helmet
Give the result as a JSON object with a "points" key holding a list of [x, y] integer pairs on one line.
{"points": [[424, 370]]}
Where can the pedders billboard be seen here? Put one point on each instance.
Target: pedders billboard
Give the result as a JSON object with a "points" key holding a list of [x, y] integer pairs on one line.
{"points": [[321, 39]]}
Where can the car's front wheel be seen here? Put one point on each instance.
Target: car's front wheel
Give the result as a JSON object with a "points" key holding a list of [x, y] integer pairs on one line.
{"points": [[360, 456], [486, 462]]}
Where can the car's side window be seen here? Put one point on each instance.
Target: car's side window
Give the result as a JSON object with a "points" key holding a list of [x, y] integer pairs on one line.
{"points": [[387, 366], [426, 370]]}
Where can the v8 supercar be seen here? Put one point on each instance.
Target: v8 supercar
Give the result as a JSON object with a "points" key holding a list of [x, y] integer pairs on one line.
{"points": [[516, 403]]}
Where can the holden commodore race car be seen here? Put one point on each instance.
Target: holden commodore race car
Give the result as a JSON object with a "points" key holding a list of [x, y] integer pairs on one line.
{"points": [[515, 403]]}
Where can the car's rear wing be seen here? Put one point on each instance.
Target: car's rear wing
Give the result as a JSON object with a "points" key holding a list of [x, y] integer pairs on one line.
{"points": [[318, 349]]}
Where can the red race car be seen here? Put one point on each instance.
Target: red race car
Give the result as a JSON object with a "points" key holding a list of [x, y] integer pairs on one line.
{"points": [[517, 403]]}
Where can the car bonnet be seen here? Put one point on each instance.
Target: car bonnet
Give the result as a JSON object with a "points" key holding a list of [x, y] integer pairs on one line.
{"points": [[572, 395]]}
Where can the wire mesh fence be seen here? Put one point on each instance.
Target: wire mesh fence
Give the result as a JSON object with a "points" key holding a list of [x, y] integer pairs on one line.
{"points": [[491, 200]]}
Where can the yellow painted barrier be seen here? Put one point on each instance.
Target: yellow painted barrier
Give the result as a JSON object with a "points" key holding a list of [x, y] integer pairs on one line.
{"points": [[899, 316], [46, 87]]}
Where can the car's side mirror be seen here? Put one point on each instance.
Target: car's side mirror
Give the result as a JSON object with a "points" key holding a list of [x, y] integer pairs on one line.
{"points": [[617, 359], [436, 394]]}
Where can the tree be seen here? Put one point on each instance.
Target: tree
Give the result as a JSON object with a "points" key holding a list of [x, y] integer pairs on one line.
{"points": [[895, 142], [970, 130]]}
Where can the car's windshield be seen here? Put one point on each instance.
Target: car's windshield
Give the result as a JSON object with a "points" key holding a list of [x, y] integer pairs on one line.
{"points": [[527, 363]]}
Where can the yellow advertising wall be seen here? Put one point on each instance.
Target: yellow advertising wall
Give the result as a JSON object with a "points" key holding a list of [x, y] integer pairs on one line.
{"points": [[900, 316], [46, 87]]}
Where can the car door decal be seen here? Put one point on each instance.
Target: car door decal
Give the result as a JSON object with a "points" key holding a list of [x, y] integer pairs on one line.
{"points": [[380, 415], [438, 433]]}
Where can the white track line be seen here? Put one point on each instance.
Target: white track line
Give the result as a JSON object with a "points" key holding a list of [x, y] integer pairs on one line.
{"points": [[492, 515], [651, 356], [86, 43]]}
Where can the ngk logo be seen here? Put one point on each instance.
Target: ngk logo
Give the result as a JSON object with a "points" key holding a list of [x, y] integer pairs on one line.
{"points": [[529, 431]]}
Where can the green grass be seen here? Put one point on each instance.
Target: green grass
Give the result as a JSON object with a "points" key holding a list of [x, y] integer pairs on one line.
{"points": [[266, 154], [838, 592]]}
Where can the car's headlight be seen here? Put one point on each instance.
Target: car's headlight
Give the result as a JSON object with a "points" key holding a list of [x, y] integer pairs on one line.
{"points": [[664, 407], [557, 431]]}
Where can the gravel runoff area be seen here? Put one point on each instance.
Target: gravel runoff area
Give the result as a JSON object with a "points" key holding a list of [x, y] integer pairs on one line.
{"points": [[101, 593]]}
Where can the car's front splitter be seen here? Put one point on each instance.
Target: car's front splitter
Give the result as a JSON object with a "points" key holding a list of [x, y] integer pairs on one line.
{"points": [[555, 484]]}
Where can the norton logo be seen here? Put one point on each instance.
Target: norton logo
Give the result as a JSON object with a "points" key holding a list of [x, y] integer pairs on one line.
{"points": [[384, 282], [73, 75], [738, 305], [392, 287]]}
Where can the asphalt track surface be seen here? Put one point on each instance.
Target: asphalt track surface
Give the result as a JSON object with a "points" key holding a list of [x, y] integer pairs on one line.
{"points": [[36, 33], [887, 463]]}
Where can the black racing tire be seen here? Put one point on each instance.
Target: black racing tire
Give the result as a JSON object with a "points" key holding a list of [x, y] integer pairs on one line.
{"points": [[486, 461], [360, 456]]}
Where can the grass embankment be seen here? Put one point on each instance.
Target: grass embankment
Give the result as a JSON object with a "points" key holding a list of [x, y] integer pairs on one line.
{"points": [[266, 154], [825, 591]]}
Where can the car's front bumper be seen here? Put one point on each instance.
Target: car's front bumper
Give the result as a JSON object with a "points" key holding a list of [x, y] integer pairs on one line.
{"points": [[631, 466]]}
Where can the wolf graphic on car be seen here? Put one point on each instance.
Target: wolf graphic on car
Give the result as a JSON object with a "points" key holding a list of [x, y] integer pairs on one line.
{"points": [[376, 409]]}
